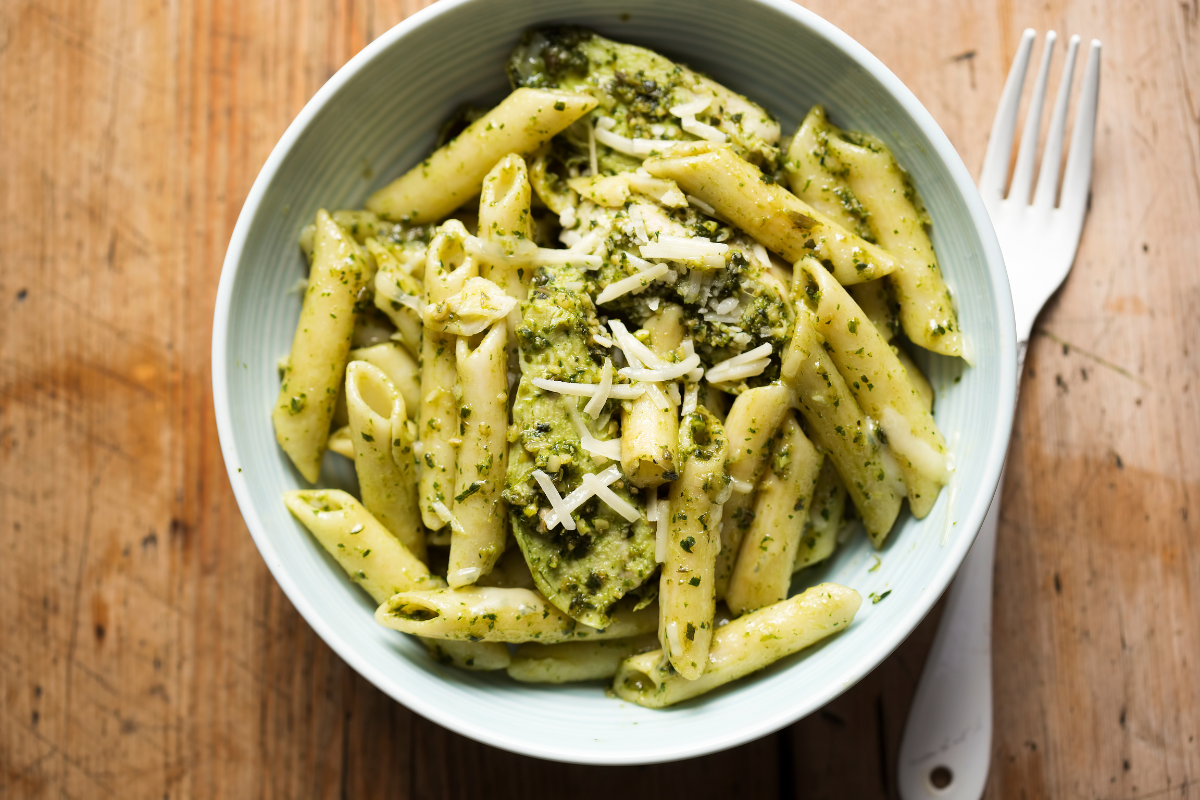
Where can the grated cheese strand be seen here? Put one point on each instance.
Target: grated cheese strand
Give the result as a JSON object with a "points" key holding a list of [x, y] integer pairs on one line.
{"points": [[618, 392], [445, 516], [669, 372], [596, 404], [582, 494], [636, 353], [703, 130], [555, 499], [692, 108], [611, 498], [633, 283], [609, 448], [737, 372]]}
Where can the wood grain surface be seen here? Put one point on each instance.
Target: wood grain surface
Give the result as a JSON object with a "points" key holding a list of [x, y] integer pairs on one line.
{"points": [[145, 651]]}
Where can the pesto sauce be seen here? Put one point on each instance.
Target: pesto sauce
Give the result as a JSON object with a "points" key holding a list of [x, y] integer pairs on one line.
{"points": [[585, 571]]}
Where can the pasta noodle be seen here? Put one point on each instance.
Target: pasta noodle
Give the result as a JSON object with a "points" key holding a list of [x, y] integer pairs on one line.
{"points": [[743, 646], [482, 457], [383, 459], [764, 567], [381, 564], [825, 518], [454, 174], [687, 592], [880, 385], [862, 174], [842, 430], [313, 376], [499, 615], [768, 212], [571, 662], [650, 427], [751, 422], [447, 268]]}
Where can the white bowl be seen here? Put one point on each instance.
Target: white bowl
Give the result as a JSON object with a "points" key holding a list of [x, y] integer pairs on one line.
{"points": [[379, 115]]}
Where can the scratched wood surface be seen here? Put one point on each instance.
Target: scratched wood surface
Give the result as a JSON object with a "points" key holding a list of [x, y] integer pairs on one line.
{"points": [[146, 652]]}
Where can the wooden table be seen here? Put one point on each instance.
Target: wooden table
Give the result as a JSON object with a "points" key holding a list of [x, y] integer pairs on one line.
{"points": [[145, 651]]}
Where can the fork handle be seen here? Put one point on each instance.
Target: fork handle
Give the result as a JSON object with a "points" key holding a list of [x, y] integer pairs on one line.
{"points": [[949, 728]]}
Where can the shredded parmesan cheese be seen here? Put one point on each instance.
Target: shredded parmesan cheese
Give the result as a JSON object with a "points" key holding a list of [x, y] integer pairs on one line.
{"points": [[556, 501], [679, 248], [692, 108], [701, 205], [611, 498], [618, 392], [727, 305], [737, 372], [581, 495], [445, 516], [633, 283], [636, 353], [603, 341], [669, 372], [691, 398], [703, 130], [624, 144], [596, 404], [526, 252], [609, 448], [592, 163], [639, 225]]}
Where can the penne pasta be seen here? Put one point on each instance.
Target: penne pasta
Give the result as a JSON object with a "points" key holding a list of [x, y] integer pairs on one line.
{"points": [[877, 302], [752, 421], [489, 614], [313, 375], [880, 384], [340, 443], [381, 564], [505, 221], [572, 662], [771, 214], [745, 645], [482, 457], [399, 295], [917, 378], [447, 268], [687, 589], [454, 174], [861, 171], [379, 428], [370, 554], [825, 518], [763, 571], [839, 427], [650, 424], [401, 369], [510, 571]]}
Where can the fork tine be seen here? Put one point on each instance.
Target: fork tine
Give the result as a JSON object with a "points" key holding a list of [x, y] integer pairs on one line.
{"points": [[1078, 177], [993, 177], [1047, 185], [1023, 173]]}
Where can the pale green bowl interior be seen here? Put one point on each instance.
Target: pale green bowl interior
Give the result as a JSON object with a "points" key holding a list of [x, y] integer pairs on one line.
{"points": [[378, 116]]}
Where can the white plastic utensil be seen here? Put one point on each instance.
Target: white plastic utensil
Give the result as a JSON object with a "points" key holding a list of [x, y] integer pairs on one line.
{"points": [[948, 737]]}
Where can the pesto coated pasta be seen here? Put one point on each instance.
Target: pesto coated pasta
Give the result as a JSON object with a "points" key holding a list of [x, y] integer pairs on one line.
{"points": [[602, 375]]}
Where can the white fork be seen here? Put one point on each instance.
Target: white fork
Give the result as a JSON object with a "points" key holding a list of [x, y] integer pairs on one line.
{"points": [[948, 737]]}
